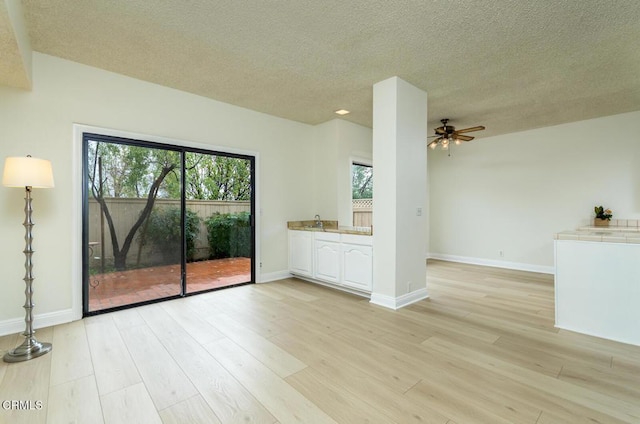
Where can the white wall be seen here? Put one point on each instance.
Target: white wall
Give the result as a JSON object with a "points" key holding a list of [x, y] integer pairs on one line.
{"points": [[40, 123], [336, 144], [323, 162], [355, 142], [511, 193]]}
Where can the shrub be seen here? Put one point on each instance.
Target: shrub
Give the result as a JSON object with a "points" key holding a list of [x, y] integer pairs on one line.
{"points": [[164, 233], [229, 235]]}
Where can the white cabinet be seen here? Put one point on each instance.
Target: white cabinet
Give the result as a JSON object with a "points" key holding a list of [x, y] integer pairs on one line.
{"points": [[301, 253], [327, 265], [357, 266], [341, 260]]}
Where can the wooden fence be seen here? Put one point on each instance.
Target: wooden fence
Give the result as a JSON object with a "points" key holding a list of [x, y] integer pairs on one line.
{"points": [[126, 211], [362, 212]]}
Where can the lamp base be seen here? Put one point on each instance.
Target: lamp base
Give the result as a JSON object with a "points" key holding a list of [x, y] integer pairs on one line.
{"points": [[29, 349]]}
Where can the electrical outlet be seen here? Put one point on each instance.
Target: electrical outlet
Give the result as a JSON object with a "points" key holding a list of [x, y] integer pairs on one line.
{"points": [[409, 286], [419, 212], [260, 264], [501, 254]]}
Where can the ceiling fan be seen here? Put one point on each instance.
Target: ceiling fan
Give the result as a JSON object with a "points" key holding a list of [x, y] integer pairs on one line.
{"points": [[447, 134]]}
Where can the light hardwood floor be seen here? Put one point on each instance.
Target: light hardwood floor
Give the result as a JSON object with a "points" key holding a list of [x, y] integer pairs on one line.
{"points": [[482, 349]]}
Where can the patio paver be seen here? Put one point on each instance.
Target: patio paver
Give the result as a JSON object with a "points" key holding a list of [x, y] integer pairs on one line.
{"points": [[126, 287]]}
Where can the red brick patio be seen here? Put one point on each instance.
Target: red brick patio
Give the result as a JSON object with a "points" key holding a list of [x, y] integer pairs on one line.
{"points": [[126, 287]]}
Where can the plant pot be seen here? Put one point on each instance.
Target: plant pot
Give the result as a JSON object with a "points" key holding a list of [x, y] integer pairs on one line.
{"points": [[599, 222]]}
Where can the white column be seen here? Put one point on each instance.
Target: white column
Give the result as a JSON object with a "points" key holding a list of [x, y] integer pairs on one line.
{"points": [[400, 193]]}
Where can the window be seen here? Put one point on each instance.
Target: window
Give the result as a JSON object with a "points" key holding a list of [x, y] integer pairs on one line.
{"points": [[362, 194]]}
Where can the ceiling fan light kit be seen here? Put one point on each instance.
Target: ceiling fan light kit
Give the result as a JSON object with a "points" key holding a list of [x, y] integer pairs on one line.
{"points": [[447, 134]]}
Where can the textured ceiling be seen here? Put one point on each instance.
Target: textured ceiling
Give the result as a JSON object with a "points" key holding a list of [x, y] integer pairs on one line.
{"points": [[508, 65]]}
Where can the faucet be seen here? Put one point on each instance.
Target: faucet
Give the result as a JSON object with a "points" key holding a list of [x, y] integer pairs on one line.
{"points": [[318, 222]]}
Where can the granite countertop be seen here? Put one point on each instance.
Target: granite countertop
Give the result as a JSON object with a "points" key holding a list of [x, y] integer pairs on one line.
{"points": [[328, 227]]}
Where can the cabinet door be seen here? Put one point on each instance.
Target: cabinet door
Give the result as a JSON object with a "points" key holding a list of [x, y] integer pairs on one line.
{"points": [[327, 265], [357, 266], [301, 253]]}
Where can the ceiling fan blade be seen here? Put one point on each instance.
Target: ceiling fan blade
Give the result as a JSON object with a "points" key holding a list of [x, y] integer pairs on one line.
{"points": [[464, 137], [432, 143], [465, 130], [433, 136], [440, 130]]}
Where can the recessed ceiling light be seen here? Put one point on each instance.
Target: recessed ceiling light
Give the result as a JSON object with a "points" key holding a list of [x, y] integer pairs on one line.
{"points": [[342, 112]]}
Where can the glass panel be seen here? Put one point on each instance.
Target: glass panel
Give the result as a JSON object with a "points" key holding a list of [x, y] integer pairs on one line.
{"points": [[218, 221], [133, 228]]}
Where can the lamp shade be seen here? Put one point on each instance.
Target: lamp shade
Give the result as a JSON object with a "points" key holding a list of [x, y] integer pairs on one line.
{"points": [[27, 172]]}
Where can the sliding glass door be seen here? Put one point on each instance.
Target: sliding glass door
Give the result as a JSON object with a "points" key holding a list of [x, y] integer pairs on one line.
{"points": [[218, 193], [163, 221]]}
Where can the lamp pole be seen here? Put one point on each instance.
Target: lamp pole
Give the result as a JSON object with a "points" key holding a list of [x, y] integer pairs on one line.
{"points": [[30, 348], [29, 173]]}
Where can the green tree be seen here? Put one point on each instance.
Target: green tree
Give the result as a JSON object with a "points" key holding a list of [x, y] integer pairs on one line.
{"points": [[361, 182], [212, 177]]}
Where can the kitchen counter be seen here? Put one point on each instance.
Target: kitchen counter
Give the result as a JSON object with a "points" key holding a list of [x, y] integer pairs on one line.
{"points": [[601, 234], [328, 227], [597, 289], [618, 231], [610, 228]]}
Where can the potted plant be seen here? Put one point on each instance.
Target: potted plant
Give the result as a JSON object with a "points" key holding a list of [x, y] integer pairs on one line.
{"points": [[603, 216]]}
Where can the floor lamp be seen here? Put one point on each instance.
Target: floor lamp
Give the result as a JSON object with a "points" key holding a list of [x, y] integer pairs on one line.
{"points": [[29, 173]]}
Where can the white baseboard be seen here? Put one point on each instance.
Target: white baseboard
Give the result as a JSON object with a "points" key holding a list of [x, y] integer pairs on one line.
{"points": [[273, 276], [401, 301], [17, 325], [493, 263], [333, 286], [631, 341]]}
